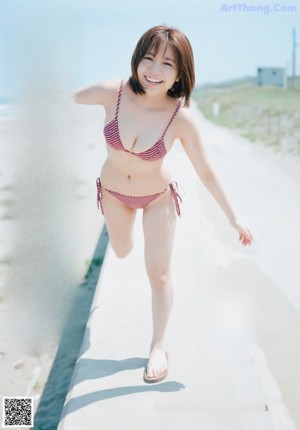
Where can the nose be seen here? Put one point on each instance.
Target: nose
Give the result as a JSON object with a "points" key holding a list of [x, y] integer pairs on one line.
{"points": [[155, 67]]}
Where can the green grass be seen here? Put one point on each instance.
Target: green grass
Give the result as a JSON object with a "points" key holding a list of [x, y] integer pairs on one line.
{"points": [[6, 202], [268, 114], [5, 262], [5, 216], [90, 264]]}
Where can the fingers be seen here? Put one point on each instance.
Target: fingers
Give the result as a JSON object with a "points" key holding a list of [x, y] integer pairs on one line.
{"points": [[246, 240], [250, 235]]}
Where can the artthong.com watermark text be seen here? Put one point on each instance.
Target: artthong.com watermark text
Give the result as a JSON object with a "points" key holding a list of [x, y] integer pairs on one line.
{"points": [[258, 8]]}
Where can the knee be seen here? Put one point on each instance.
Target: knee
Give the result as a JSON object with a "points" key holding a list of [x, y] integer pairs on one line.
{"points": [[159, 280], [122, 252]]}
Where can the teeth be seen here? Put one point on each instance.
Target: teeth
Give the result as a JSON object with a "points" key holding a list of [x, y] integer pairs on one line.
{"points": [[152, 80]]}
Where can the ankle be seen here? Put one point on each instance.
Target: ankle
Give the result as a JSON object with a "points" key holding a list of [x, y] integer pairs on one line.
{"points": [[156, 345]]}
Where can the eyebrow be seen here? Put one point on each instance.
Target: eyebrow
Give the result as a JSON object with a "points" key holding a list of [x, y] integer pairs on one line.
{"points": [[166, 58]]}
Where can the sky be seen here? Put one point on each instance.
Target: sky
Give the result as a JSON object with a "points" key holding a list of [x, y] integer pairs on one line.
{"points": [[81, 42]]}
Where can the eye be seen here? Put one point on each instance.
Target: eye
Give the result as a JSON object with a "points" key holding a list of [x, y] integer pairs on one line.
{"points": [[168, 64], [147, 58]]}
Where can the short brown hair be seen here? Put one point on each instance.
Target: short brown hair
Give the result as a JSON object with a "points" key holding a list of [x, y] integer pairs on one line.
{"points": [[151, 40]]}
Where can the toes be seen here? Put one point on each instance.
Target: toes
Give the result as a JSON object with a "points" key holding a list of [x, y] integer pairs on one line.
{"points": [[150, 372], [157, 371], [154, 372]]}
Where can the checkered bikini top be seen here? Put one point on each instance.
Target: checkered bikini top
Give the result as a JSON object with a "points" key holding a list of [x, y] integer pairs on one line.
{"points": [[112, 136]]}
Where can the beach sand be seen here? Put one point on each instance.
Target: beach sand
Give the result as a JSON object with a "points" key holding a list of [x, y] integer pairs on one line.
{"points": [[47, 237]]}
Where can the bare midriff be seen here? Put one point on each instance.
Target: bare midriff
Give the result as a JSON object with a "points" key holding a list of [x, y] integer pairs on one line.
{"points": [[129, 175]]}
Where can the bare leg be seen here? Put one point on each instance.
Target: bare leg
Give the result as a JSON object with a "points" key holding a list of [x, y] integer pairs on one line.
{"points": [[119, 220], [159, 222]]}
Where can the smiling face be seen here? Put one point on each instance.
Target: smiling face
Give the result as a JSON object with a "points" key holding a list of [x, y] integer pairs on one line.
{"points": [[157, 72], [152, 67]]}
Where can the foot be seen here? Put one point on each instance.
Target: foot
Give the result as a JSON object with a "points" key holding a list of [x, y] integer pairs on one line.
{"points": [[157, 364]]}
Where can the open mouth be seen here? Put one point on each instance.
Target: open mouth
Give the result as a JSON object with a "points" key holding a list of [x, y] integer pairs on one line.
{"points": [[152, 81]]}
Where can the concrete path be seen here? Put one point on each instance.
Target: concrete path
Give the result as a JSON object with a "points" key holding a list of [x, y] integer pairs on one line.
{"points": [[233, 336]]}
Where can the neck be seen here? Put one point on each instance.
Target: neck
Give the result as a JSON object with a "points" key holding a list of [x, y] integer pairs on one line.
{"points": [[153, 100], [150, 100]]}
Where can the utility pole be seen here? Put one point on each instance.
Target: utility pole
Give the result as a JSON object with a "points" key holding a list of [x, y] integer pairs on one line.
{"points": [[294, 69]]}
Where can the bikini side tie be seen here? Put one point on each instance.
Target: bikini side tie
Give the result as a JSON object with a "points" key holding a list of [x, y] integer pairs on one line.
{"points": [[99, 194], [176, 196]]}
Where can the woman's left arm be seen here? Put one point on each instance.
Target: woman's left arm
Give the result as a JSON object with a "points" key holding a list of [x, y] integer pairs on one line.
{"points": [[193, 146]]}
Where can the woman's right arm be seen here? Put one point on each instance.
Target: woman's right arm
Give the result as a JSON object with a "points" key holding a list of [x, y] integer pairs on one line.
{"points": [[97, 94]]}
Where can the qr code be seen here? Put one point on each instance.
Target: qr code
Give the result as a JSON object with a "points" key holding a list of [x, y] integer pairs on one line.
{"points": [[17, 412]]}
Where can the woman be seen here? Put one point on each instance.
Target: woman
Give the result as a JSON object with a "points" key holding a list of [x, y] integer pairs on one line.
{"points": [[144, 115]]}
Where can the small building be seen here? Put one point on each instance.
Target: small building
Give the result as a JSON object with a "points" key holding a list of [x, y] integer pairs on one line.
{"points": [[275, 76]]}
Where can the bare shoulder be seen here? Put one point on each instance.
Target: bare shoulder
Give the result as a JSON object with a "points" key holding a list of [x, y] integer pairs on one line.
{"points": [[100, 93], [186, 123], [191, 140]]}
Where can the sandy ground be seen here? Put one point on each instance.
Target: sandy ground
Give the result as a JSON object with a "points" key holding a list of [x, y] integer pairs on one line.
{"points": [[274, 251], [25, 364]]}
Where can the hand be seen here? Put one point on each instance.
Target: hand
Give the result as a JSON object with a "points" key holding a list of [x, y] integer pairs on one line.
{"points": [[245, 234]]}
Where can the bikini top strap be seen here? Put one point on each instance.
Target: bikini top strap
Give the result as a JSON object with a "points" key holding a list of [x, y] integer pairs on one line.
{"points": [[119, 98], [173, 116]]}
